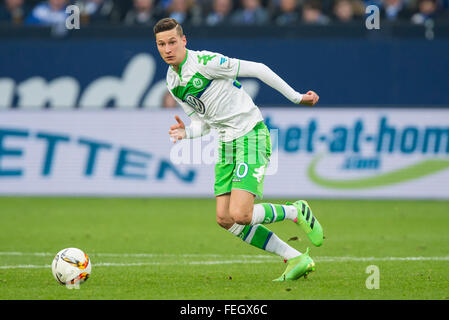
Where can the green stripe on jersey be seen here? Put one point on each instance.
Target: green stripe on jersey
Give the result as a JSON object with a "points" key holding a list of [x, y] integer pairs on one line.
{"points": [[195, 86], [238, 70]]}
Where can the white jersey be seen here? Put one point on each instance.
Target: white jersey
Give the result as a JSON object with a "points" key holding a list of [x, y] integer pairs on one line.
{"points": [[206, 85]]}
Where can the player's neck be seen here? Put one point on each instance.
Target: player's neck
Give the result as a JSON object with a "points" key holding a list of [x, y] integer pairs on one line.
{"points": [[177, 66]]}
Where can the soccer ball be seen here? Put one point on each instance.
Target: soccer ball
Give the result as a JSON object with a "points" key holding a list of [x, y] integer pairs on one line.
{"points": [[71, 266]]}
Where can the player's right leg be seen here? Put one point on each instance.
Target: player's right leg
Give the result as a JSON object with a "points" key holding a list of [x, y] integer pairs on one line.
{"points": [[259, 236], [298, 267], [239, 222], [256, 235], [224, 219], [252, 153]]}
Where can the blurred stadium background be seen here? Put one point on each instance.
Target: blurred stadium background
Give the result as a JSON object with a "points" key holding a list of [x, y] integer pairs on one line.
{"points": [[85, 113]]}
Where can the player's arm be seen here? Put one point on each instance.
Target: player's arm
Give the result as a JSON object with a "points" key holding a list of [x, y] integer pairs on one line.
{"points": [[266, 75], [197, 128]]}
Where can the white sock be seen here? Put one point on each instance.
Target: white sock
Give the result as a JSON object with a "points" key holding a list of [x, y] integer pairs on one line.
{"points": [[279, 247], [254, 234], [291, 213], [269, 213], [258, 214]]}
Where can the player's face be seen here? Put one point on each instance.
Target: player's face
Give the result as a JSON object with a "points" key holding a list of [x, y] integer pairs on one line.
{"points": [[171, 46]]}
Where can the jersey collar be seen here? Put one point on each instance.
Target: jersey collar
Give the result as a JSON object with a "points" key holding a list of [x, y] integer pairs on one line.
{"points": [[181, 64]]}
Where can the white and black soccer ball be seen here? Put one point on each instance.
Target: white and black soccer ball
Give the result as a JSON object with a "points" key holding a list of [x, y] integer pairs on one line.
{"points": [[71, 266]]}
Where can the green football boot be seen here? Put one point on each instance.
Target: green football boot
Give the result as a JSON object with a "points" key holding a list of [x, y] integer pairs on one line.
{"points": [[298, 267], [308, 222]]}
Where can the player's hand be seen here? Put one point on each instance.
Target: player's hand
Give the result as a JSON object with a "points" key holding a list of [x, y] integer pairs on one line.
{"points": [[177, 131], [310, 98]]}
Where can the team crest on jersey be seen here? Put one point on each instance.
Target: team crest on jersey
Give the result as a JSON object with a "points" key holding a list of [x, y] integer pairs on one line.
{"points": [[197, 83], [195, 103]]}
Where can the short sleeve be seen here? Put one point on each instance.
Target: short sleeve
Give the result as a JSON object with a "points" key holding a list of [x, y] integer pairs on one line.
{"points": [[218, 66]]}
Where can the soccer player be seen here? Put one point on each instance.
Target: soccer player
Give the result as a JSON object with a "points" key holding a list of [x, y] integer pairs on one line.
{"points": [[205, 85]]}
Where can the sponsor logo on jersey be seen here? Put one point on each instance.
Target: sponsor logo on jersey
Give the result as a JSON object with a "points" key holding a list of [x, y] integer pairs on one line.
{"points": [[196, 104]]}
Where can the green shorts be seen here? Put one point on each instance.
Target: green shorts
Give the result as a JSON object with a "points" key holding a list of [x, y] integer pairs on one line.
{"points": [[242, 162]]}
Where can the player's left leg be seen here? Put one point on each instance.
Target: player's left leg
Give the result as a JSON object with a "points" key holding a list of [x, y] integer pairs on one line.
{"points": [[239, 175], [252, 153], [257, 236], [265, 213], [240, 208], [241, 205], [299, 212]]}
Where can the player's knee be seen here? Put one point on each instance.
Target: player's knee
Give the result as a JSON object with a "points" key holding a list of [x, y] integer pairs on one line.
{"points": [[224, 220], [225, 223], [240, 216]]}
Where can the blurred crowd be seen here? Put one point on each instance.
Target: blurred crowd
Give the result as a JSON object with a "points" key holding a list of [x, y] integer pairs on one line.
{"points": [[219, 12]]}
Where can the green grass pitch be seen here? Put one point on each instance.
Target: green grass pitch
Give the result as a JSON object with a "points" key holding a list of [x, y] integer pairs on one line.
{"points": [[173, 249]]}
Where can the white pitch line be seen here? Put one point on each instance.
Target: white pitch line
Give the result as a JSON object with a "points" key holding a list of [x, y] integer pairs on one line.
{"points": [[247, 256], [25, 266], [255, 260], [138, 264], [346, 259], [140, 255]]}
